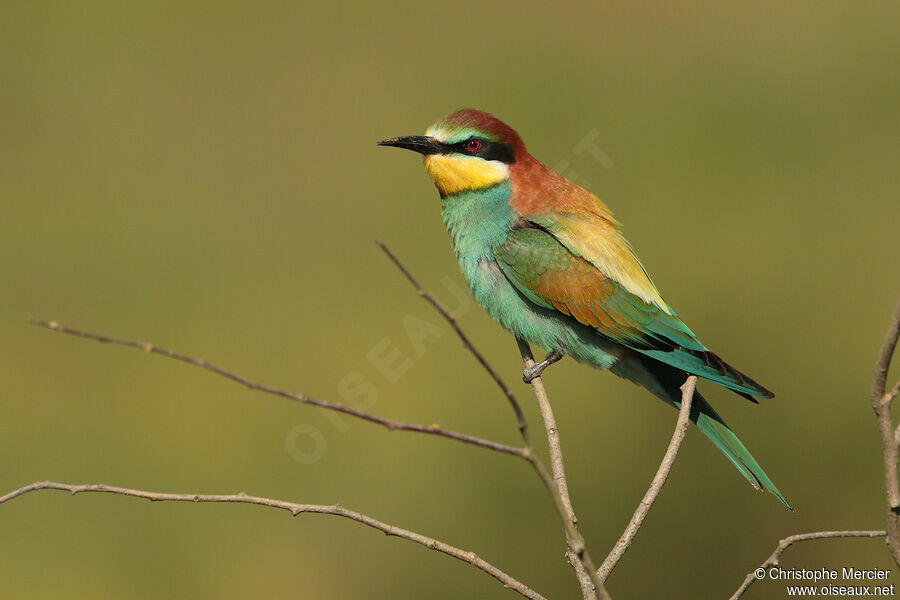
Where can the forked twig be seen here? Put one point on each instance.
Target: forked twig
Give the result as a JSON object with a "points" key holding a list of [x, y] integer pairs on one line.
{"points": [[789, 541], [451, 320], [555, 484], [578, 556], [881, 404]]}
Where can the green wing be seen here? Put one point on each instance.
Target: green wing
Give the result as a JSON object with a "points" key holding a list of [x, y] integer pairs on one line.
{"points": [[546, 272]]}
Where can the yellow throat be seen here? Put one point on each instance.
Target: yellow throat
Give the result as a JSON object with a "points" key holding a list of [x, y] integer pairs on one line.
{"points": [[455, 173]]}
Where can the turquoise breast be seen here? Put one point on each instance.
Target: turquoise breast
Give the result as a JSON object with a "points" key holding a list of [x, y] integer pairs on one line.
{"points": [[479, 220]]}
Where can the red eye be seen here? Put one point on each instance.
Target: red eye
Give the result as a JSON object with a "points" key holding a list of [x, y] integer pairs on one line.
{"points": [[473, 145]]}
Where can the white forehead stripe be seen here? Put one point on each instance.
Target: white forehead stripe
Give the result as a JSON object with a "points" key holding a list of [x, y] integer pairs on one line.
{"points": [[437, 133]]}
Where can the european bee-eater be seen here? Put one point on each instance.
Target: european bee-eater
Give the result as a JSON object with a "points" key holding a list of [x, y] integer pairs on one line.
{"points": [[547, 260]]}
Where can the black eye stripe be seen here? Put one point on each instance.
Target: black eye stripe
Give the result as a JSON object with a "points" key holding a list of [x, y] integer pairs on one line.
{"points": [[489, 150]]}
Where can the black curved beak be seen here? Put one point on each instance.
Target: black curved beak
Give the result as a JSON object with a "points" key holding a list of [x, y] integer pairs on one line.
{"points": [[417, 143]]}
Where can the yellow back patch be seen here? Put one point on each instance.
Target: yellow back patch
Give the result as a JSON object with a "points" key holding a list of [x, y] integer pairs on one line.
{"points": [[452, 174]]}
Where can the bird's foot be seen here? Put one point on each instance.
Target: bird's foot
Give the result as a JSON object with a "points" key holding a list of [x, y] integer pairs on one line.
{"points": [[536, 369]]}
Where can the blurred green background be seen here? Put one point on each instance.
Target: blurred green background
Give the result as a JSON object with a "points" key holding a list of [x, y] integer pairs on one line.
{"points": [[204, 176]]}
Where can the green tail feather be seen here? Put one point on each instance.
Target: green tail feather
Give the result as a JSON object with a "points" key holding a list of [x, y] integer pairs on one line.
{"points": [[665, 381], [710, 366], [711, 424]]}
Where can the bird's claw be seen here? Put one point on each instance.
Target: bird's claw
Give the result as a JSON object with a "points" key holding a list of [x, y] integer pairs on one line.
{"points": [[534, 371], [530, 373]]}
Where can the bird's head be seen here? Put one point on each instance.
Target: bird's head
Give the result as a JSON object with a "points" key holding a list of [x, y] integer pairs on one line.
{"points": [[467, 150]]}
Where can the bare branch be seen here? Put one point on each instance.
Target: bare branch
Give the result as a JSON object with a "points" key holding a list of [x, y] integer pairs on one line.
{"points": [[520, 416], [881, 404], [589, 590], [295, 509], [885, 355], [890, 437], [681, 427], [591, 585], [527, 452], [789, 541], [297, 397]]}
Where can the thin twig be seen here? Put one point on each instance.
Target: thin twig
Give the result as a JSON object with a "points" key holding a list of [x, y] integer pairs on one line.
{"points": [[889, 396], [789, 541], [295, 509], [560, 500], [881, 404], [520, 416], [879, 380], [591, 584], [254, 385], [681, 427]]}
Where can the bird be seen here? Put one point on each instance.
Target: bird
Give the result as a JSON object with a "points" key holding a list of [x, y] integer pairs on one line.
{"points": [[547, 260]]}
